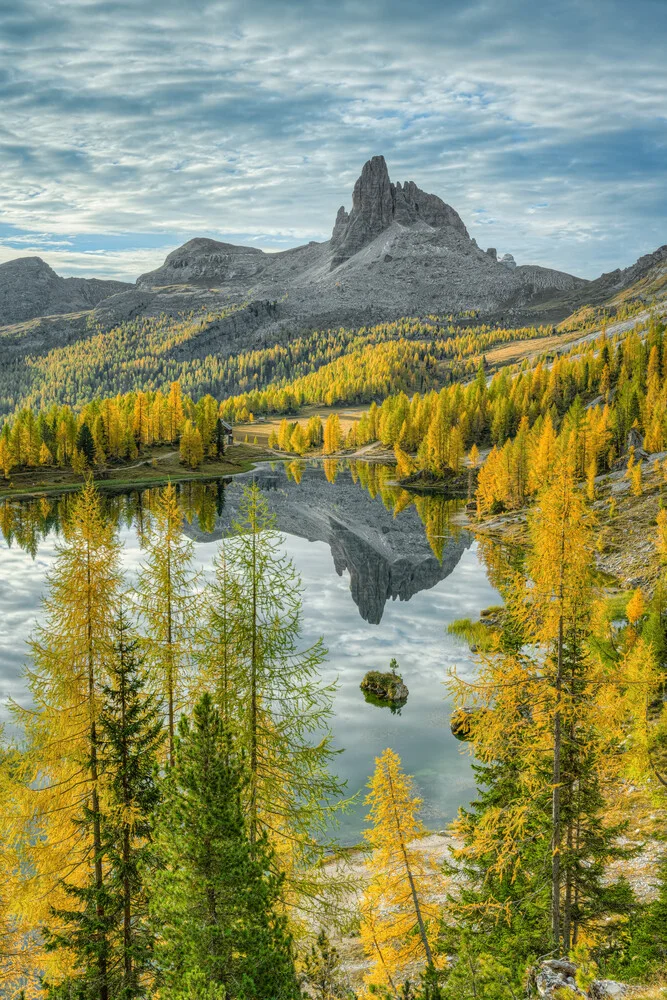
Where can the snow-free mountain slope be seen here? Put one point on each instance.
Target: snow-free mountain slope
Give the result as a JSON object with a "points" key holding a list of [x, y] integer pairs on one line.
{"points": [[30, 288]]}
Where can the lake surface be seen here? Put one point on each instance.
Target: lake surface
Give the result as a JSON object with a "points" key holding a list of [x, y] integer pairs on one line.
{"points": [[384, 573]]}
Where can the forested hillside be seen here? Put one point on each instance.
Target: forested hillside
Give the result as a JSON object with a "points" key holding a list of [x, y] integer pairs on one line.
{"points": [[150, 353]]}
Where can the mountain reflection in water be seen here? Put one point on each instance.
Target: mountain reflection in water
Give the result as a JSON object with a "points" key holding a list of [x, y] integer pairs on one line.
{"points": [[352, 506], [386, 555]]}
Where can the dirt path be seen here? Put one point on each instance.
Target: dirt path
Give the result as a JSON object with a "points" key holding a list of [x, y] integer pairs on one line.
{"points": [[158, 458]]}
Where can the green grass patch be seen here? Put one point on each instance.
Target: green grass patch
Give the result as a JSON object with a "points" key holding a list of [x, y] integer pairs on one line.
{"points": [[617, 606], [475, 633]]}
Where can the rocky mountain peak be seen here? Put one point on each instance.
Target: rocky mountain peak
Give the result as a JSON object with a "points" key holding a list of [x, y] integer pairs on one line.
{"points": [[202, 261], [29, 287], [377, 203], [33, 267]]}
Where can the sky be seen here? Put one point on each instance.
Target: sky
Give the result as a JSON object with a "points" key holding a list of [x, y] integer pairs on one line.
{"points": [[128, 127]]}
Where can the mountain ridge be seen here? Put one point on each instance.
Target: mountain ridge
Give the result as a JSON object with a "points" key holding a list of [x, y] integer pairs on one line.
{"points": [[30, 288], [399, 251]]}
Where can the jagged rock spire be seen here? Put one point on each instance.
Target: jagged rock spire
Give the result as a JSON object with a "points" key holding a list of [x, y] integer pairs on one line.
{"points": [[377, 203]]}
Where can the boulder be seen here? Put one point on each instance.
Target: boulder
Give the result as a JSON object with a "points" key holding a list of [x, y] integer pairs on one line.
{"points": [[387, 687], [508, 260], [557, 974], [555, 979], [636, 441], [604, 989]]}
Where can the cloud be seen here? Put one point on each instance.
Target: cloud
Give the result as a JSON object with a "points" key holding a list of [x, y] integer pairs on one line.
{"points": [[150, 124]]}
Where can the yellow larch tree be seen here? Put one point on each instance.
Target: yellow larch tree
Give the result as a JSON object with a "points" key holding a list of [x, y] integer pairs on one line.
{"points": [[399, 914], [71, 652], [544, 455], [404, 464], [557, 606], [191, 448], [175, 412], [285, 435], [7, 460], [166, 595], [333, 437], [299, 441]]}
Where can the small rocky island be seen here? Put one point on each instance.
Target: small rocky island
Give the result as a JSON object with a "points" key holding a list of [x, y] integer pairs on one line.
{"points": [[387, 688]]}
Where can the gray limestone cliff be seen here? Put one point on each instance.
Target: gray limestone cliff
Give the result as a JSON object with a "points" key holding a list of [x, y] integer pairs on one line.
{"points": [[377, 203], [398, 251], [30, 288]]}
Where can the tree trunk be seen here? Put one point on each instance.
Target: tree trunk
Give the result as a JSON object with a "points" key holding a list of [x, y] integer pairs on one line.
{"points": [[170, 655], [127, 801], [253, 691], [413, 889], [97, 830]]}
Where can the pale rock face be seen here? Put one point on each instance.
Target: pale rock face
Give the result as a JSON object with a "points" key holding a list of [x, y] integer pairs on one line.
{"points": [[508, 260], [204, 261], [399, 251], [607, 989], [30, 288], [377, 203]]}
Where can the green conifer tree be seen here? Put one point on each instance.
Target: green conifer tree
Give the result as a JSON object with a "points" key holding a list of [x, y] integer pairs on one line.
{"points": [[86, 444], [106, 930], [215, 897], [132, 737]]}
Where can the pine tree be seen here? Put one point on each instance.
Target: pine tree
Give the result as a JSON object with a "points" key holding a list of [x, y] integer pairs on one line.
{"points": [[215, 900], [219, 438], [166, 598], [323, 973], [132, 737], [399, 917], [85, 444]]}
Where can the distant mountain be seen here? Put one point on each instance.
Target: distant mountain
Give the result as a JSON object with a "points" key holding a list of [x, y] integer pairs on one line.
{"points": [[30, 288], [646, 278], [399, 251]]}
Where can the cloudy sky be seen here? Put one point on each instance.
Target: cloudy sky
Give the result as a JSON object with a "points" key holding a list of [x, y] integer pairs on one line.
{"points": [[129, 126]]}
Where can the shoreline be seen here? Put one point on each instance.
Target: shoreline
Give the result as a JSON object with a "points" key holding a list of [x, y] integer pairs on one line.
{"points": [[106, 481]]}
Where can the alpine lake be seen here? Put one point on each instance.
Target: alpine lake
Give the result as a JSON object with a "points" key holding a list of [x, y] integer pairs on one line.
{"points": [[384, 573]]}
